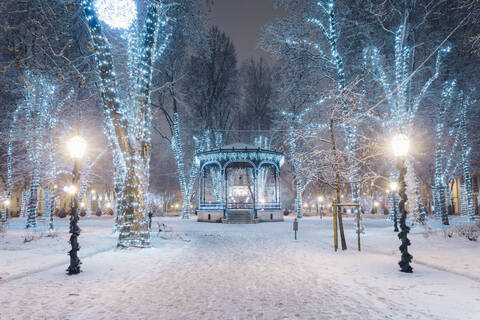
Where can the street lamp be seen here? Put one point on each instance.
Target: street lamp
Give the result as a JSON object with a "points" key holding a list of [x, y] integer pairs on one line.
{"points": [[400, 146], [76, 147], [319, 206], [393, 186], [6, 203], [51, 225], [393, 189]]}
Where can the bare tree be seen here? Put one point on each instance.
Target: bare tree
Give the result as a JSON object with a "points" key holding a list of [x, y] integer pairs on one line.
{"points": [[258, 96], [211, 86]]}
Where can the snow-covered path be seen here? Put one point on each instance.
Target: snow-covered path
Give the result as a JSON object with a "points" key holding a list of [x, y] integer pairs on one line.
{"points": [[214, 271]]}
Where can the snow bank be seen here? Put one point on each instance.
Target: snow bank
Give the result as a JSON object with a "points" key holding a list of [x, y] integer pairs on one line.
{"points": [[217, 271]]}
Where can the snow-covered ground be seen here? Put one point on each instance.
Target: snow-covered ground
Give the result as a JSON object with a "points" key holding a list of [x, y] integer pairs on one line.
{"points": [[215, 271]]}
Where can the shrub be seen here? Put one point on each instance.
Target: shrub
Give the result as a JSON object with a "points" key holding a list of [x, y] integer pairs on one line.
{"points": [[62, 213], [286, 212], [98, 213], [28, 237], [83, 213], [471, 231]]}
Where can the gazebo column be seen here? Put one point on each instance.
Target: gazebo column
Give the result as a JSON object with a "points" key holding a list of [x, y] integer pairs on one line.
{"points": [[277, 186], [225, 205], [202, 187], [255, 192]]}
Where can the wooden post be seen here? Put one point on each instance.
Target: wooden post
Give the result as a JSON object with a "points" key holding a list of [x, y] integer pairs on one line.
{"points": [[358, 229], [340, 226], [335, 231]]}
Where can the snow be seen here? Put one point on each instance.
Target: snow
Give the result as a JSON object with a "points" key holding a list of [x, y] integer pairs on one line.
{"points": [[239, 146], [218, 271]]}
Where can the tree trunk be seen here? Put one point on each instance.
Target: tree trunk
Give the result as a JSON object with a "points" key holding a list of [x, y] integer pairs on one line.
{"points": [[466, 164], [297, 167], [33, 200], [133, 226], [337, 187], [131, 151]]}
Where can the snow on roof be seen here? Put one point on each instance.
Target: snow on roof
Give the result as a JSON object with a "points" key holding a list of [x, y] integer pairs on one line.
{"points": [[239, 145]]}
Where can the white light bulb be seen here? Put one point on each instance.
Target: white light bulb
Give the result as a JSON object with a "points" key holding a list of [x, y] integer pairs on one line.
{"points": [[393, 186], [76, 147], [118, 14], [400, 145]]}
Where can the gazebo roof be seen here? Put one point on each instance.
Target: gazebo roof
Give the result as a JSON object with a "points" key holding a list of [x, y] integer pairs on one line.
{"points": [[240, 152], [239, 146]]}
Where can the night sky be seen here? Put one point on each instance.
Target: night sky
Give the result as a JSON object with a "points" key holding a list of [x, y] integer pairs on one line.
{"points": [[242, 21]]}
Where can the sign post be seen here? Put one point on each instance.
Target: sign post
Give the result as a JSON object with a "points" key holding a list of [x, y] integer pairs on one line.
{"points": [[295, 227]]}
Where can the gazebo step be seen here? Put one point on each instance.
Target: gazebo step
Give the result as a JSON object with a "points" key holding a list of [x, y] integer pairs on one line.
{"points": [[239, 216]]}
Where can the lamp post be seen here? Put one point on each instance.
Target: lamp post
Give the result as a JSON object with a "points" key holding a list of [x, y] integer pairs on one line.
{"points": [[319, 206], [76, 148], [376, 205], [6, 203], [394, 189], [51, 226], [400, 146]]}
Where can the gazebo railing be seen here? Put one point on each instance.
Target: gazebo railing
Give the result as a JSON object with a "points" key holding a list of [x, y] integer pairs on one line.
{"points": [[269, 205], [240, 205], [212, 205]]}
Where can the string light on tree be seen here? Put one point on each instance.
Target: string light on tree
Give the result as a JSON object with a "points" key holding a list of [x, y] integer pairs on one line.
{"points": [[127, 115], [118, 14]]}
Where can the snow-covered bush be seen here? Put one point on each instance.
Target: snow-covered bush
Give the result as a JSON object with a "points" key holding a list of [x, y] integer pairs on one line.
{"points": [[62, 213], [468, 230], [427, 231], [29, 236]]}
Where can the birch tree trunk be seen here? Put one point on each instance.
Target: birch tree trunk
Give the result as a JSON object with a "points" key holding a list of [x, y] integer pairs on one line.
{"points": [[338, 209], [133, 150]]}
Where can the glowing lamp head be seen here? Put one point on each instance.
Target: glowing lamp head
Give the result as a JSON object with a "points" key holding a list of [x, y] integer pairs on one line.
{"points": [[393, 186], [7, 202], [400, 145], [118, 14], [70, 189], [108, 205], [320, 199], [376, 204], [93, 191], [76, 147], [82, 205]]}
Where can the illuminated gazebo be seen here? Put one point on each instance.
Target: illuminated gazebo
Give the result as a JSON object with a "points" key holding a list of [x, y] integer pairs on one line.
{"points": [[239, 183]]}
